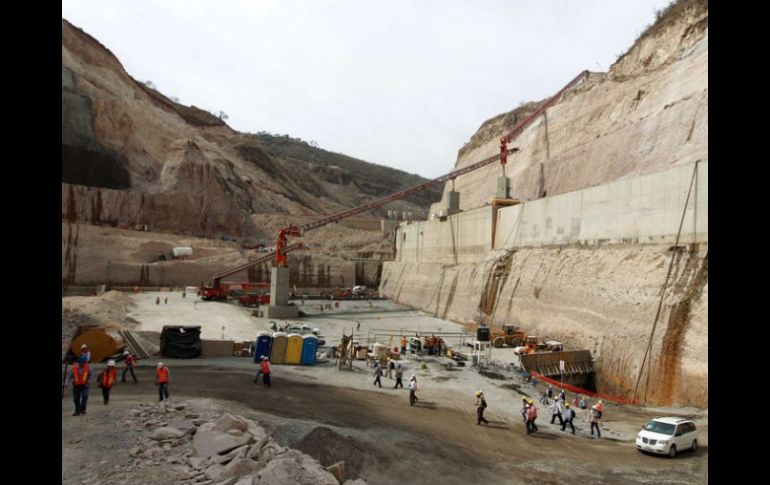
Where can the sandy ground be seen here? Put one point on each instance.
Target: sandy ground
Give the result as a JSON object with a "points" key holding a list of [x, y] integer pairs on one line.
{"points": [[380, 433], [383, 436], [239, 324]]}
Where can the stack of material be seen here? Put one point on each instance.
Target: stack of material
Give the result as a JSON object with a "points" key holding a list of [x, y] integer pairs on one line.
{"points": [[133, 344]]}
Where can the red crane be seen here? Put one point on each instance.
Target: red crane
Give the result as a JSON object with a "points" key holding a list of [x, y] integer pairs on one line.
{"points": [[516, 131], [295, 231], [219, 290]]}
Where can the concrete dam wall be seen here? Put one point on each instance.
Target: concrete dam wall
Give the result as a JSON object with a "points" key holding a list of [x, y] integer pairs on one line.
{"points": [[585, 267]]}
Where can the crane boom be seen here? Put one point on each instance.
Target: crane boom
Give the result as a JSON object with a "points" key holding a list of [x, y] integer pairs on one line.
{"points": [[399, 195], [219, 291], [516, 131], [254, 262], [294, 230]]}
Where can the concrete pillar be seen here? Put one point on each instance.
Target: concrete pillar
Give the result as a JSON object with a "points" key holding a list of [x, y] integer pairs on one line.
{"points": [[454, 202], [503, 188], [279, 295]]}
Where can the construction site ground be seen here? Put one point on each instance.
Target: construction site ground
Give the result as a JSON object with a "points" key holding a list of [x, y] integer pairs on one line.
{"points": [[378, 434]]}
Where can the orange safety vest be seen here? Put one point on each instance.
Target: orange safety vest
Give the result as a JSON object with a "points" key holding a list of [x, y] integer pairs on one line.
{"points": [[109, 377], [600, 407], [403, 342], [80, 374], [162, 375], [265, 367]]}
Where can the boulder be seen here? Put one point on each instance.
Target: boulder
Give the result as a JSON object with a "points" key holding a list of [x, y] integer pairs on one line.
{"points": [[213, 472], [247, 480], [229, 422], [208, 441], [236, 453], [255, 430], [294, 467], [256, 449], [238, 468]]}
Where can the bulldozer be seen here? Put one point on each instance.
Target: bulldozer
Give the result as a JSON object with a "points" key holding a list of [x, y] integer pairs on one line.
{"points": [[511, 335]]}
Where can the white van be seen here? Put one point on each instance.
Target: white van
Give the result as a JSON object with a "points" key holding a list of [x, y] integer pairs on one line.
{"points": [[667, 436]]}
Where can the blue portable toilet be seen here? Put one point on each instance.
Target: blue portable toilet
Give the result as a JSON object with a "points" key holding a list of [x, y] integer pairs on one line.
{"points": [[262, 345], [309, 347]]}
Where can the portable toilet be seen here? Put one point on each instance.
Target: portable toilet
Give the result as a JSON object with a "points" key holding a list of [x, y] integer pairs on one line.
{"points": [[278, 351], [309, 347], [262, 345], [294, 349]]}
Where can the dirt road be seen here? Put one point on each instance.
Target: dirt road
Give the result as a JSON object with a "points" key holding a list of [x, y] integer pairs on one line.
{"points": [[437, 441]]}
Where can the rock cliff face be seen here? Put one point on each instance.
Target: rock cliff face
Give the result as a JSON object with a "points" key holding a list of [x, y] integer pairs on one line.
{"points": [[132, 156], [647, 114]]}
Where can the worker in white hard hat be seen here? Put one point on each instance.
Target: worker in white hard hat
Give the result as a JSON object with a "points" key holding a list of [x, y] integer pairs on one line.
{"points": [[107, 379], [130, 360], [84, 351], [161, 380], [412, 390], [481, 405]]}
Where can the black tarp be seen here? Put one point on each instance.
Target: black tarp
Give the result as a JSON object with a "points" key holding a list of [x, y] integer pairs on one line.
{"points": [[180, 342]]}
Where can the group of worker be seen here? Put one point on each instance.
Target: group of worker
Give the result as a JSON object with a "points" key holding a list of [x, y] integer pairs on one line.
{"points": [[561, 410], [566, 413], [428, 345], [394, 369], [80, 378]]}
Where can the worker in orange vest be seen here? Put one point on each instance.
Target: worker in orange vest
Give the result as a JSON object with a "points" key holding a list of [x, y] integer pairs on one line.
{"points": [[80, 377], [404, 343], [265, 369], [161, 380], [106, 379]]}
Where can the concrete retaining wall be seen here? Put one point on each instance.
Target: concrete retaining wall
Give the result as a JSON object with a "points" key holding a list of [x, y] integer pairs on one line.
{"points": [[644, 210], [463, 237]]}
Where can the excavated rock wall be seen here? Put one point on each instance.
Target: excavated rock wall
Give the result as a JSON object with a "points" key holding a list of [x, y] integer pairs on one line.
{"points": [[95, 255], [647, 114], [601, 298]]}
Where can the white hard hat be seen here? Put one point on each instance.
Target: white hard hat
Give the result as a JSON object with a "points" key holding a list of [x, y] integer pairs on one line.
{"points": [[126, 352], [160, 364], [83, 346], [111, 363]]}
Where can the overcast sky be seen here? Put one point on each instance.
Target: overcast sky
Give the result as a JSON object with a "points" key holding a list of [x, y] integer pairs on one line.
{"points": [[403, 83]]}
